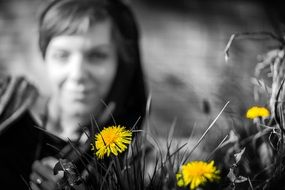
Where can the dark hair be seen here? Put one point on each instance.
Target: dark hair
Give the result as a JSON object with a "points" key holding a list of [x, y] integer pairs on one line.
{"points": [[77, 16]]}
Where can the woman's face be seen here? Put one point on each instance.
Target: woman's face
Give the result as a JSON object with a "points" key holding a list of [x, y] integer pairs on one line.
{"points": [[81, 68]]}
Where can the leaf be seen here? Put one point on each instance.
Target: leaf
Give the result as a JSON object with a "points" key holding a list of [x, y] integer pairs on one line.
{"points": [[63, 165], [227, 56], [231, 175], [233, 138], [71, 176], [238, 156], [240, 179], [261, 85], [227, 49]]}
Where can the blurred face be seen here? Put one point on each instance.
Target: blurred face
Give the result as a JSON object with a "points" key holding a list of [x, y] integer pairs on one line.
{"points": [[81, 68]]}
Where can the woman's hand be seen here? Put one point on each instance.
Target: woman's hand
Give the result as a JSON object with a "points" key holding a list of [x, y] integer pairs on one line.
{"points": [[42, 177]]}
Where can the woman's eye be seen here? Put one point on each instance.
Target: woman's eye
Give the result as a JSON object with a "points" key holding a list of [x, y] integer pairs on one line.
{"points": [[61, 56], [97, 56]]}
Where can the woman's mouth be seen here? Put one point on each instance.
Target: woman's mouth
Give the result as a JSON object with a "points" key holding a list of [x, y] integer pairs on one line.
{"points": [[79, 94]]}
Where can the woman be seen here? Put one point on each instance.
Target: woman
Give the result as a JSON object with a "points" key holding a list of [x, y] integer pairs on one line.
{"points": [[91, 54]]}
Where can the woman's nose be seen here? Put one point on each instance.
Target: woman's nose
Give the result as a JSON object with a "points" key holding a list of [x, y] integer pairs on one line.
{"points": [[78, 69]]}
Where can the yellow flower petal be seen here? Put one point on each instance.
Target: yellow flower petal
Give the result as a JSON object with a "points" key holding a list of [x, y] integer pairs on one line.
{"points": [[196, 173], [180, 181], [256, 111], [112, 140]]}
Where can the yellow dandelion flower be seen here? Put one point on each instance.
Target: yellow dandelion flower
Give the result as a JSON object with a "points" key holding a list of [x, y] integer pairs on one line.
{"points": [[256, 111], [197, 173], [113, 140]]}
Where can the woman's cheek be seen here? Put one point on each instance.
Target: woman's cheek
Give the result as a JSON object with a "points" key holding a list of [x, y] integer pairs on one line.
{"points": [[104, 74], [57, 75]]}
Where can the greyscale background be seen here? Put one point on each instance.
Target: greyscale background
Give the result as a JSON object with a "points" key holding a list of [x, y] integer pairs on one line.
{"points": [[182, 46]]}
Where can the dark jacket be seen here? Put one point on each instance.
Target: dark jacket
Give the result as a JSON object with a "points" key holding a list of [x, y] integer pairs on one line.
{"points": [[21, 139]]}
